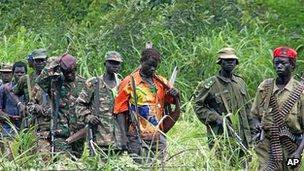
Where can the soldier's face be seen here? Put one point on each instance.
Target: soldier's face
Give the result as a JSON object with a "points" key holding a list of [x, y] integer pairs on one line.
{"points": [[112, 66], [149, 67], [69, 75], [228, 64], [282, 66], [6, 76], [39, 64], [19, 72]]}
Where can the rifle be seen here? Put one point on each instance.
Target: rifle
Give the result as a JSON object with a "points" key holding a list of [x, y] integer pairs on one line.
{"points": [[133, 117], [171, 83], [55, 86], [92, 128], [29, 89]]}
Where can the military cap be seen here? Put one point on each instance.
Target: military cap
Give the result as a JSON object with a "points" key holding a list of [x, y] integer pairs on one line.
{"points": [[113, 56], [6, 68], [285, 52], [39, 54], [67, 61], [226, 53]]}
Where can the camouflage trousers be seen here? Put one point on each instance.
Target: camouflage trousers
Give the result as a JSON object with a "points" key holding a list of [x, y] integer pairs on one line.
{"points": [[78, 147], [5, 146], [263, 152], [43, 145], [151, 150], [62, 146]]}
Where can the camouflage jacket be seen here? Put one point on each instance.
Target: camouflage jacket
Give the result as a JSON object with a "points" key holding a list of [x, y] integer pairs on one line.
{"points": [[209, 105], [40, 108], [107, 133], [68, 93]]}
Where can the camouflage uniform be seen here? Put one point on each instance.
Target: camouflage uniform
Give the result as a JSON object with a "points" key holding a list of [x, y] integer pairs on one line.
{"points": [[68, 93], [107, 133], [209, 105], [261, 111], [40, 109]]}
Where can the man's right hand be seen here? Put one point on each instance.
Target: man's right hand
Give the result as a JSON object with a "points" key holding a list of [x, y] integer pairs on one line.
{"points": [[15, 118], [94, 120], [219, 120]]}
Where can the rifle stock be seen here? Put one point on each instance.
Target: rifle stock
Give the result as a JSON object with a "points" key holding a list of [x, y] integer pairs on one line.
{"points": [[77, 135]]}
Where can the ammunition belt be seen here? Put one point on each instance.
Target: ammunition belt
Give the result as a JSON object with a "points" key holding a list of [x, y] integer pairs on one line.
{"points": [[279, 131]]}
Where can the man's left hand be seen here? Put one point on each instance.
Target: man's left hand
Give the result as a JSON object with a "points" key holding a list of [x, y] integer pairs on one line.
{"points": [[296, 154]]}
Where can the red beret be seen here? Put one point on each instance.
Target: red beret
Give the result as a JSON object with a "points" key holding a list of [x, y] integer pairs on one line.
{"points": [[67, 61], [285, 52]]}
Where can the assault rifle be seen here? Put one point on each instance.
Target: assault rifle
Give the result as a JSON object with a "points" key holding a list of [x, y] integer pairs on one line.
{"points": [[55, 86], [92, 128], [29, 90]]}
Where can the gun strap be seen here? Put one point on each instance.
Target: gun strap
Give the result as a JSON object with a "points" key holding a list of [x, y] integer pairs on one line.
{"points": [[96, 97], [135, 122], [279, 130], [96, 104], [219, 85]]}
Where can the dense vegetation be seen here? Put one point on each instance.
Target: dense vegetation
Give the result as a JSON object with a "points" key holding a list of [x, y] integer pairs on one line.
{"points": [[188, 33]]}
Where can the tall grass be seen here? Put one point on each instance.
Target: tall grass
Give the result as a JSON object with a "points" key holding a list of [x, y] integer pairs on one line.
{"points": [[187, 33]]}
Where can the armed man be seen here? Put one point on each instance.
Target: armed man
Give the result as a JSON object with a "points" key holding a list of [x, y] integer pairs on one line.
{"points": [[39, 58], [224, 94], [95, 107], [10, 112], [63, 87], [278, 115], [139, 108], [6, 73]]}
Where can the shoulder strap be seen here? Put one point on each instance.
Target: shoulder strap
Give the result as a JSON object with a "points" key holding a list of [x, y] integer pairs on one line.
{"points": [[96, 97], [220, 86], [268, 92]]}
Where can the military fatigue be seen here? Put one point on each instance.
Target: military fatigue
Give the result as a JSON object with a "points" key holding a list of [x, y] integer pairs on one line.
{"points": [[68, 93], [209, 105], [107, 132], [40, 108], [261, 111]]}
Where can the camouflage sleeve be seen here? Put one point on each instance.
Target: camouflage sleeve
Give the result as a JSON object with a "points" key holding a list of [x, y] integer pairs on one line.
{"points": [[45, 78], [75, 123], [84, 101], [39, 104], [204, 113]]}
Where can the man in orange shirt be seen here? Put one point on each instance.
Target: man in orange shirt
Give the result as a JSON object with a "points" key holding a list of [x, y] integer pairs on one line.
{"points": [[144, 137]]}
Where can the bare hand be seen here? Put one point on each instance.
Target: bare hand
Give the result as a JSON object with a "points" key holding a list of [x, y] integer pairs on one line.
{"points": [[173, 92], [94, 120], [295, 154], [15, 118]]}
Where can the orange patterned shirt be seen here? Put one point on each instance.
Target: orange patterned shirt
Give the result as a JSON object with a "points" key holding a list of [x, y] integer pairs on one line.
{"points": [[150, 102]]}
